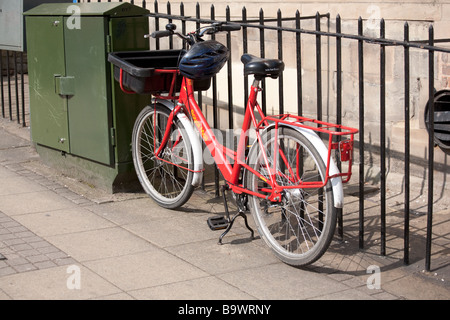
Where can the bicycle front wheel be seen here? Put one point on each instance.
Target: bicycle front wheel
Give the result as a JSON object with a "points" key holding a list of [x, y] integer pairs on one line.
{"points": [[167, 179], [298, 229]]}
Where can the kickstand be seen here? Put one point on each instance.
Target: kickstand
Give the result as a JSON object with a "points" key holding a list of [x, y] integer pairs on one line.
{"points": [[217, 223]]}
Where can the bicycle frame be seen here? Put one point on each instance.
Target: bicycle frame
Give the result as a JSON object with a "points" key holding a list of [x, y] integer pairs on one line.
{"points": [[231, 172]]}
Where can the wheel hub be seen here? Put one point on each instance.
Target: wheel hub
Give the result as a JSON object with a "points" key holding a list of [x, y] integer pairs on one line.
{"points": [[293, 196]]}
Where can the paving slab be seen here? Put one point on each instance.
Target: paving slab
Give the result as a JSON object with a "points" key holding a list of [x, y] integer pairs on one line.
{"points": [[279, 281], [183, 229], [6, 173], [17, 154], [56, 284], [4, 296], [237, 253], [33, 202], [415, 288], [13, 184], [154, 267], [207, 288], [99, 243], [12, 141], [133, 211], [63, 221]]}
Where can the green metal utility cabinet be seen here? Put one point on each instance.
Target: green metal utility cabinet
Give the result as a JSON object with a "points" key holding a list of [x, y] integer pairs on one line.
{"points": [[81, 122]]}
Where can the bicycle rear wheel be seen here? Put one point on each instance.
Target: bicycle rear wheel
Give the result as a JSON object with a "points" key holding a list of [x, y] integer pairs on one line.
{"points": [[167, 179], [298, 229]]}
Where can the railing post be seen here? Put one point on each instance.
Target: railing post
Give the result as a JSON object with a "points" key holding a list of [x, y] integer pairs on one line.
{"points": [[319, 101], [318, 68], [183, 22], [338, 71], [298, 43], [199, 96], [169, 12], [156, 23], [8, 76], [407, 148], [383, 138], [2, 95], [22, 87], [280, 56], [262, 54], [229, 76], [16, 87], [197, 15], [361, 133], [430, 147], [339, 107], [245, 50], [215, 120]]}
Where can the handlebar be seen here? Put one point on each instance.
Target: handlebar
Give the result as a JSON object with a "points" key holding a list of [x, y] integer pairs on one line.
{"points": [[195, 36], [161, 34], [231, 27]]}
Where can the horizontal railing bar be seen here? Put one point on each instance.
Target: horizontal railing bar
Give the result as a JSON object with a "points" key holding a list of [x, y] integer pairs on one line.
{"points": [[324, 15], [190, 18], [435, 40], [370, 40]]}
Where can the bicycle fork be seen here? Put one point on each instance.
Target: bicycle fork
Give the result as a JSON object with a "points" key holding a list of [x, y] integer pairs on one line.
{"points": [[178, 113]]}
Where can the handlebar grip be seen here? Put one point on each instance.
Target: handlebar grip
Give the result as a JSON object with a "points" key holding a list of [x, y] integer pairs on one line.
{"points": [[161, 34], [230, 27]]}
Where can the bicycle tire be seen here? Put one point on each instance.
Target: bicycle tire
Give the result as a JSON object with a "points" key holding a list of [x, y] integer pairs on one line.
{"points": [[293, 229], [169, 185]]}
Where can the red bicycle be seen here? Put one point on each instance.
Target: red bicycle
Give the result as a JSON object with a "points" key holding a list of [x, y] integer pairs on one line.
{"points": [[283, 170]]}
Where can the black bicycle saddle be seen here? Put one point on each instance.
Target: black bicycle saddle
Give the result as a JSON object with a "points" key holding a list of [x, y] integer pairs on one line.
{"points": [[261, 67]]}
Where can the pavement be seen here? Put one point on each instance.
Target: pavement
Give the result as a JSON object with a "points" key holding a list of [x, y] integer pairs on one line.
{"points": [[63, 239]]}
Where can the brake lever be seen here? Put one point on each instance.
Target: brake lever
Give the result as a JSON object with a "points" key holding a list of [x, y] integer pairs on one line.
{"points": [[207, 30]]}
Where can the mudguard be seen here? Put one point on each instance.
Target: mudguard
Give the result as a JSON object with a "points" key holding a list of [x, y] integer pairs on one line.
{"points": [[195, 142]]}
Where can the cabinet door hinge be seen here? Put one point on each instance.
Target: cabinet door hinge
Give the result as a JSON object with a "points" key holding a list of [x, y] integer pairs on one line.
{"points": [[108, 43], [113, 136]]}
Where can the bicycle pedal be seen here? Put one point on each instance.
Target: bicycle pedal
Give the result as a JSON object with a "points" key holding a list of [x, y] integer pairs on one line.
{"points": [[217, 223]]}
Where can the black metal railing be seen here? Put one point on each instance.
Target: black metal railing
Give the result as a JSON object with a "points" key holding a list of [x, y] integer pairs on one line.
{"points": [[274, 29], [362, 42], [12, 103]]}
